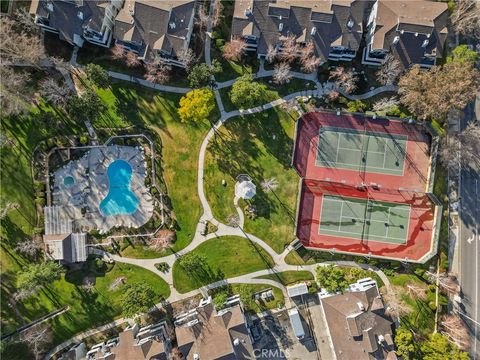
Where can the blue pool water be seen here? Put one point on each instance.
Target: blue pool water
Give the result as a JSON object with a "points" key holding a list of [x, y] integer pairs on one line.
{"points": [[68, 181], [120, 199]]}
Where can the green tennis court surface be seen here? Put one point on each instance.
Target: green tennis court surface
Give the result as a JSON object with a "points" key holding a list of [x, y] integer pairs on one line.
{"points": [[357, 150], [364, 219]]}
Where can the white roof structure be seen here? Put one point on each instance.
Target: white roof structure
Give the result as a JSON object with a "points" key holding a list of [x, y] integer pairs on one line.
{"points": [[245, 189], [297, 290], [55, 223]]}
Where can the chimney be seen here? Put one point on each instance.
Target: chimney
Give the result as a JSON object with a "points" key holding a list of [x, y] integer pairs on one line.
{"points": [[396, 39], [425, 43], [236, 342], [247, 12], [314, 31]]}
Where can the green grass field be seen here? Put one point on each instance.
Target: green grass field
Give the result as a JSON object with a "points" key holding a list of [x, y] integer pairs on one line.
{"points": [[289, 277], [259, 145], [226, 257]]}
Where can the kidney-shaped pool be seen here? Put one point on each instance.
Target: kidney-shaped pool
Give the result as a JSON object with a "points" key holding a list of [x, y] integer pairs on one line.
{"points": [[120, 199]]}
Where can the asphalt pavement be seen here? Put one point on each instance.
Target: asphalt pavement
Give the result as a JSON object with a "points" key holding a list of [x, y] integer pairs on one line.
{"points": [[469, 245]]}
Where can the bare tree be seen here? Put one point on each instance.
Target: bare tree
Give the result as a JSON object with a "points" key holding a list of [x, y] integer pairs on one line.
{"points": [[202, 17], [217, 13], [187, 58], [389, 71], [26, 21], [416, 292], [289, 105], [385, 104], [462, 148], [234, 49], [395, 305], [333, 95], [37, 338], [310, 64], [89, 286], [131, 59], [158, 71], [28, 247], [454, 328], [466, 17], [163, 240], [23, 294], [54, 92], [269, 185], [449, 284], [345, 79], [118, 52], [18, 47], [290, 49], [272, 54], [281, 73], [233, 220], [13, 97]]}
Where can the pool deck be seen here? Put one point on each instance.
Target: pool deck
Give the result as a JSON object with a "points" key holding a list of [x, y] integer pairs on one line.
{"points": [[81, 200]]}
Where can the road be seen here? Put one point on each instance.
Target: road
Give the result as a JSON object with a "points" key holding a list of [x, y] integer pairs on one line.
{"points": [[470, 242]]}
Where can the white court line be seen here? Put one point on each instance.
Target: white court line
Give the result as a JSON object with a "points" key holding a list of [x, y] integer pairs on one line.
{"points": [[388, 222], [369, 236], [340, 224], [399, 207], [338, 147]]}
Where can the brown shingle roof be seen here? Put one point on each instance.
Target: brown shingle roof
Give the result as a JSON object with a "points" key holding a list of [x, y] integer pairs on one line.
{"points": [[130, 349]]}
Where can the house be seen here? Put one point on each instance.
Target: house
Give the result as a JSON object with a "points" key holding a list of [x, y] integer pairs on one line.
{"points": [[334, 27], [134, 343], [207, 334], [153, 28], [77, 21], [414, 32], [357, 325], [62, 243]]}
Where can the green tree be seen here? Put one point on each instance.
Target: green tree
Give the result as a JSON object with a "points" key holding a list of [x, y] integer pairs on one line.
{"points": [[88, 106], [246, 93], [462, 53], [137, 299], [437, 347], [192, 262], [97, 75], [36, 275], [200, 74], [246, 296], [404, 343], [196, 105], [220, 299], [332, 278]]}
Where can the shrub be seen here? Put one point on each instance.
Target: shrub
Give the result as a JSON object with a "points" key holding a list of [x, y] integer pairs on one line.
{"points": [[432, 305], [163, 267], [83, 140], [356, 106], [219, 43], [419, 272]]}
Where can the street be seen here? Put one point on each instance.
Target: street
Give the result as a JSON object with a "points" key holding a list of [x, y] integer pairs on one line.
{"points": [[469, 246]]}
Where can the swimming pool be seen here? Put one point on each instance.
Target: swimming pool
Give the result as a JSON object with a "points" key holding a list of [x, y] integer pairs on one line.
{"points": [[120, 199], [68, 181]]}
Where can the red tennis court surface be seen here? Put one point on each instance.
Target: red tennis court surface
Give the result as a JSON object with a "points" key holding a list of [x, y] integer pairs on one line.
{"points": [[408, 187]]}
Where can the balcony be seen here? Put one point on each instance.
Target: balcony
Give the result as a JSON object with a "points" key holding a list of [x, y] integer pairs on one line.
{"points": [[338, 54]]}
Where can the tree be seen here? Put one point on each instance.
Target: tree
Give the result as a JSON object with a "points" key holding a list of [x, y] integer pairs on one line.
{"points": [[290, 49], [331, 278], [462, 148], [432, 94], [466, 18], [385, 104], [246, 93], [118, 52], [389, 71], [158, 71], [137, 299], [192, 262], [131, 59], [272, 54], [234, 49], [196, 105], [54, 92], [187, 58], [268, 185], [18, 47], [26, 22], [13, 97], [281, 73], [455, 330], [97, 75], [345, 80], [35, 275], [28, 248], [163, 240], [220, 299], [462, 53], [202, 17], [201, 74], [37, 338], [246, 296], [437, 347], [308, 59], [217, 13], [404, 342], [86, 107]]}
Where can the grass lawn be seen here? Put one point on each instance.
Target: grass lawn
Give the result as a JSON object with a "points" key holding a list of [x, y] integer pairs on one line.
{"points": [[259, 145], [277, 302], [226, 257], [232, 69], [289, 277], [134, 105], [273, 91]]}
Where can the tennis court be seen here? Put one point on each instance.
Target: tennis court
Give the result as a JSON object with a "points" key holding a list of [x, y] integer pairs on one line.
{"points": [[361, 150], [364, 219]]}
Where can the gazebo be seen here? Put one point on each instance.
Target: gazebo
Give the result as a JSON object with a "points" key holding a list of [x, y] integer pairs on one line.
{"points": [[245, 188]]}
